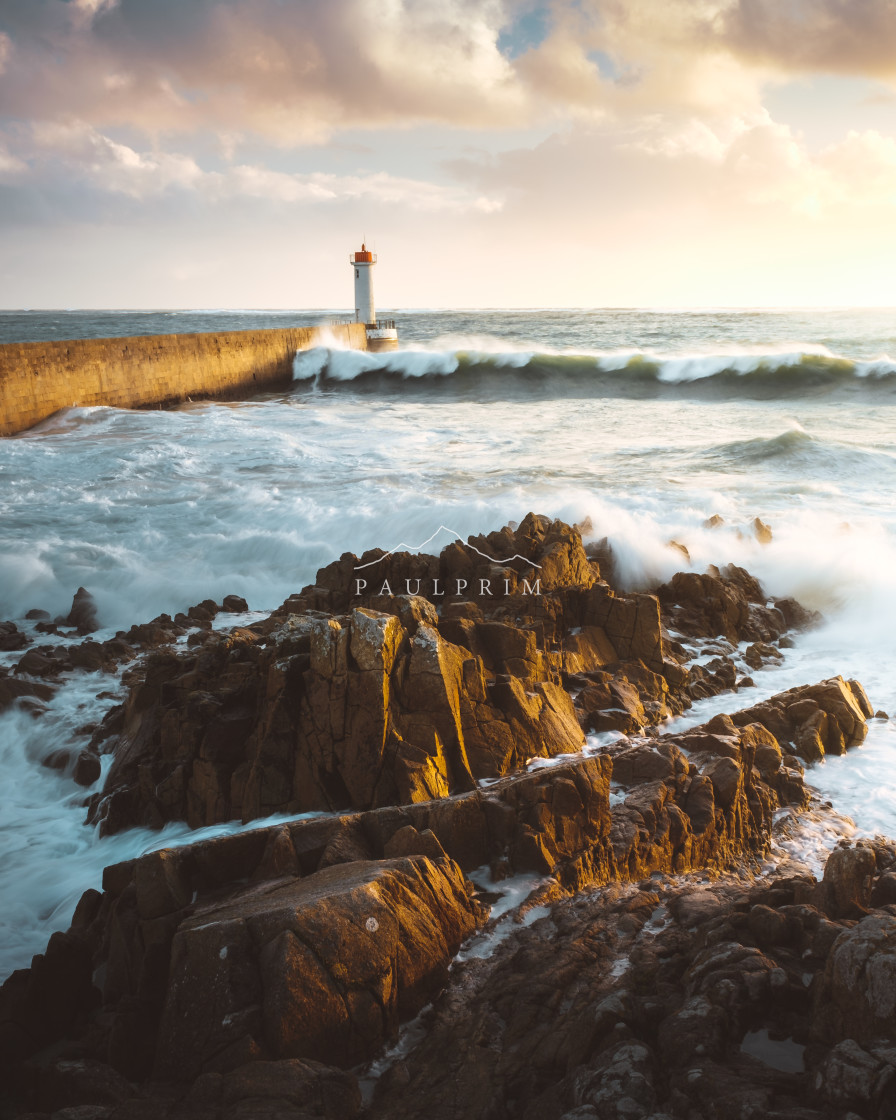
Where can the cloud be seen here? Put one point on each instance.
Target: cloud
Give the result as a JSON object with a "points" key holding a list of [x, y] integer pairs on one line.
{"points": [[862, 170], [11, 167], [630, 184], [832, 36], [379, 187], [83, 157], [295, 71], [105, 164], [290, 71]]}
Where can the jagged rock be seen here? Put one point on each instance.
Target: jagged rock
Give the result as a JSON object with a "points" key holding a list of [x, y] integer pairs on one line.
{"points": [[234, 963], [408, 841], [332, 714], [588, 649], [320, 968], [203, 612], [507, 562], [852, 1077], [761, 531], [612, 706], [819, 719], [730, 604], [50, 999], [626, 699], [796, 616], [40, 663], [83, 614], [760, 653], [392, 702], [601, 554], [679, 547], [603, 1010]]}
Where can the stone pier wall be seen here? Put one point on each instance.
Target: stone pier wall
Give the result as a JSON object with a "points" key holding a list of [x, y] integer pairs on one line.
{"points": [[39, 378]]}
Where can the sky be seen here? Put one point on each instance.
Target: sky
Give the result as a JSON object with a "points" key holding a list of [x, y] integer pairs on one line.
{"points": [[496, 153]]}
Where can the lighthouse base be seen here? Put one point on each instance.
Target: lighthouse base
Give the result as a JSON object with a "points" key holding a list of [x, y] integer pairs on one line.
{"points": [[380, 339]]}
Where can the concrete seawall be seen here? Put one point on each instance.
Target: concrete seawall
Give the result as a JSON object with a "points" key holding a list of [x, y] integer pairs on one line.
{"points": [[39, 378]]}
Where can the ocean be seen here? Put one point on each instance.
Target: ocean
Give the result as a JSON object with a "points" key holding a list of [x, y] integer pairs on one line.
{"points": [[638, 425]]}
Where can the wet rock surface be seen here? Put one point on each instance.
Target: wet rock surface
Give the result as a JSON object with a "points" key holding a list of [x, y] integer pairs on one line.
{"points": [[258, 973]]}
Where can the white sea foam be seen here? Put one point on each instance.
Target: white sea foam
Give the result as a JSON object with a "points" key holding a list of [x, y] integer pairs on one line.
{"points": [[504, 913]]}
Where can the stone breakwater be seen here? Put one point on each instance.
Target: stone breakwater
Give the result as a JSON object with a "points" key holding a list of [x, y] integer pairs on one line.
{"points": [[39, 378], [250, 975]]}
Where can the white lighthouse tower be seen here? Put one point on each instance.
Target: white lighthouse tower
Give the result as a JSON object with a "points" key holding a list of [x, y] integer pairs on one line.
{"points": [[381, 335]]}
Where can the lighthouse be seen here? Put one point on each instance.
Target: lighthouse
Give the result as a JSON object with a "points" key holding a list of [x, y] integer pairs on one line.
{"points": [[381, 335]]}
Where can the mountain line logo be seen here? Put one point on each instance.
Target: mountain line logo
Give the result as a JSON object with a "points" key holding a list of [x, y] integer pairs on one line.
{"points": [[461, 585]]}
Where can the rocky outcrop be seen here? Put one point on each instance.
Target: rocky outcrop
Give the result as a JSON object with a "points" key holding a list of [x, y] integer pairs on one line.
{"points": [[536, 577], [504, 565], [814, 720], [316, 967], [321, 968], [330, 714], [729, 603], [343, 700], [31, 693]]}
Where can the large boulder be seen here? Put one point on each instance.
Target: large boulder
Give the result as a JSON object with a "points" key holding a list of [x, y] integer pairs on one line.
{"points": [[321, 968]]}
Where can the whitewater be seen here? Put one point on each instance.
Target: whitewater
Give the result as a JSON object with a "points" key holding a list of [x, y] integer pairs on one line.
{"points": [[639, 426]]}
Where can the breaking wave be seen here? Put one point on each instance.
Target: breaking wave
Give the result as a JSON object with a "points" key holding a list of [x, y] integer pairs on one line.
{"points": [[810, 371]]}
